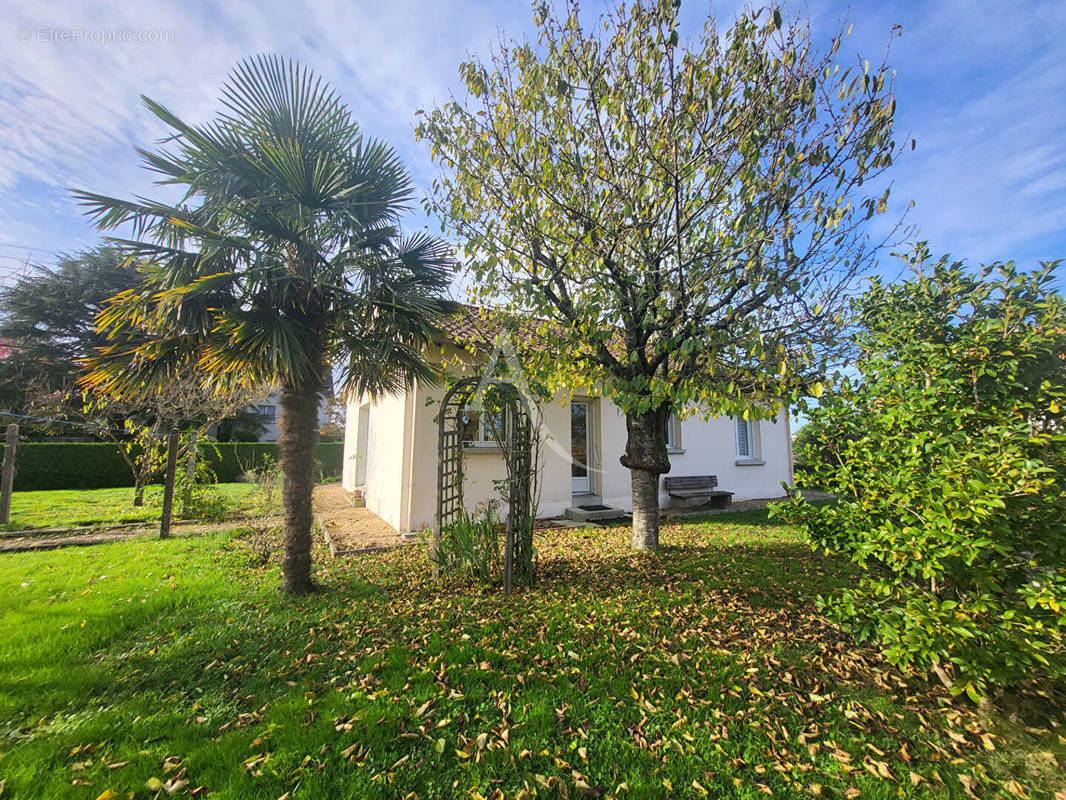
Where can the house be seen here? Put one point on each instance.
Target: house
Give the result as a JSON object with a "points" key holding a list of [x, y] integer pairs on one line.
{"points": [[390, 450], [268, 411]]}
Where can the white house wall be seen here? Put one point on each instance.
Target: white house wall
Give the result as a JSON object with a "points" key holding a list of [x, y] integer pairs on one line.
{"points": [[385, 455], [481, 466], [401, 484], [708, 447]]}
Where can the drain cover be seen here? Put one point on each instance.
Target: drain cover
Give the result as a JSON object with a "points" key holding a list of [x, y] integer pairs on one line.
{"points": [[595, 508]]}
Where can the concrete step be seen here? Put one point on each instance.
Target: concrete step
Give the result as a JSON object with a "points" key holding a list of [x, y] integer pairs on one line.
{"points": [[596, 512]]}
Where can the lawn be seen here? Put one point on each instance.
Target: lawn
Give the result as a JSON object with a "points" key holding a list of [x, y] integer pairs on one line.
{"points": [[701, 671], [62, 508]]}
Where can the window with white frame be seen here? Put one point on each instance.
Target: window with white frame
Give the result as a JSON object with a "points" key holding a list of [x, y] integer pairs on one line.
{"points": [[745, 439], [673, 432], [483, 429], [268, 412]]}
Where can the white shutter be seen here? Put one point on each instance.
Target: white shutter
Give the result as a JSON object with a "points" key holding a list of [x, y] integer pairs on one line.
{"points": [[744, 449]]}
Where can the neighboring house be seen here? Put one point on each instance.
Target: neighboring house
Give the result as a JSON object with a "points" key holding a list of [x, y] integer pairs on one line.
{"points": [[269, 410], [390, 450]]}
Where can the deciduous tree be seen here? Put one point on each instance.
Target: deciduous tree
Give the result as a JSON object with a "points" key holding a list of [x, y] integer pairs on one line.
{"points": [[686, 217]]}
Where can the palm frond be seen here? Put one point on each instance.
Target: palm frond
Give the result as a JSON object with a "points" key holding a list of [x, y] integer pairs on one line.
{"points": [[285, 248]]}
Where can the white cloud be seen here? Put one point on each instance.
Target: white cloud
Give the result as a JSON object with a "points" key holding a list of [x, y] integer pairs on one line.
{"points": [[980, 88], [71, 110]]}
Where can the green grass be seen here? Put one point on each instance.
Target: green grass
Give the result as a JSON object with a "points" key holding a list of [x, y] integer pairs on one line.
{"points": [[62, 508], [699, 671]]}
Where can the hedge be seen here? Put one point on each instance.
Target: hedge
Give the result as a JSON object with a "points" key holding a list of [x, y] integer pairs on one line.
{"points": [[78, 465]]}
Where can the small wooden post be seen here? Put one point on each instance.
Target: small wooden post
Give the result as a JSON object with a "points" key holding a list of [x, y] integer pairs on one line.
{"points": [[10, 446], [508, 555], [168, 485], [190, 467]]}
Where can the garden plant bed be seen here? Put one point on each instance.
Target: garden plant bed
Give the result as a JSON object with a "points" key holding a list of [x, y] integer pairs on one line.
{"points": [[38, 540], [702, 670]]}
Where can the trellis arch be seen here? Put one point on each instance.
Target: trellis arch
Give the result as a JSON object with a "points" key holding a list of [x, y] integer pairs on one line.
{"points": [[517, 452]]}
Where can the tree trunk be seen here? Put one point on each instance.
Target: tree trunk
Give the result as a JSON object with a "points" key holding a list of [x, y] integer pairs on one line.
{"points": [[138, 491], [646, 459], [296, 445], [190, 469], [645, 509]]}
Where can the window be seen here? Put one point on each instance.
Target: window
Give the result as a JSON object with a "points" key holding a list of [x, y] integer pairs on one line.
{"points": [[673, 433], [745, 439], [483, 429], [269, 413]]}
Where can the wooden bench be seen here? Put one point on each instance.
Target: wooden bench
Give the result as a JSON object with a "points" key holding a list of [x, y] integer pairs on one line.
{"points": [[697, 490]]}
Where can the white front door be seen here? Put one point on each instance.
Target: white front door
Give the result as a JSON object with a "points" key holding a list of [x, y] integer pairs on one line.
{"points": [[580, 447]]}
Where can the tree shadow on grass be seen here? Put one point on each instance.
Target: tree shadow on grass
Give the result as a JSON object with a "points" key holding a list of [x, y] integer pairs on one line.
{"points": [[753, 561], [386, 638], [757, 517]]}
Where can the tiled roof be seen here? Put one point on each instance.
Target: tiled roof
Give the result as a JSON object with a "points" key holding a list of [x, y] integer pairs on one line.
{"points": [[479, 327]]}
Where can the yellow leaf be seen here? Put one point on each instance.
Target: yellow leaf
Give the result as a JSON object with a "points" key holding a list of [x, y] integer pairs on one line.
{"points": [[107, 794]]}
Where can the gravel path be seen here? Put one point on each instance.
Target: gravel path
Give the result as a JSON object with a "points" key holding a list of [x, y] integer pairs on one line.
{"points": [[352, 528]]}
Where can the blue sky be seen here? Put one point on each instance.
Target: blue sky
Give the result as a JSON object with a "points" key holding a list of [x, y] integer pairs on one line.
{"points": [[980, 86]]}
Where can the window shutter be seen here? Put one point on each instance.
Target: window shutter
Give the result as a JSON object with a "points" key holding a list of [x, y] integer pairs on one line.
{"points": [[743, 438]]}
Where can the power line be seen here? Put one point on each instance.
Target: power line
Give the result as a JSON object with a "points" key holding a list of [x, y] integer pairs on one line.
{"points": [[26, 247]]}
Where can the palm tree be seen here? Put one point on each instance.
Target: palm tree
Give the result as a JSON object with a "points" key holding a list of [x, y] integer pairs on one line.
{"points": [[283, 258]]}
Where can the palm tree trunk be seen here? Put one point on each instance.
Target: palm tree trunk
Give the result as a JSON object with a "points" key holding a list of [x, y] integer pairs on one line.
{"points": [[296, 445]]}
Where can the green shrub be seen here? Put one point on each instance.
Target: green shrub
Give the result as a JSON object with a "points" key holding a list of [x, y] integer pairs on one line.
{"points": [[196, 501], [470, 546], [951, 478], [813, 445], [91, 465]]}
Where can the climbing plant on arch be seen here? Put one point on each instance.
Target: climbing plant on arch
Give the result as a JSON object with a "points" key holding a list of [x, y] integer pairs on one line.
{"points": [[515, 437]]}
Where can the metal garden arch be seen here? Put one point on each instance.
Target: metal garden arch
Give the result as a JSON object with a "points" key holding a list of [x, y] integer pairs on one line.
{"points": [[516, 448]]}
